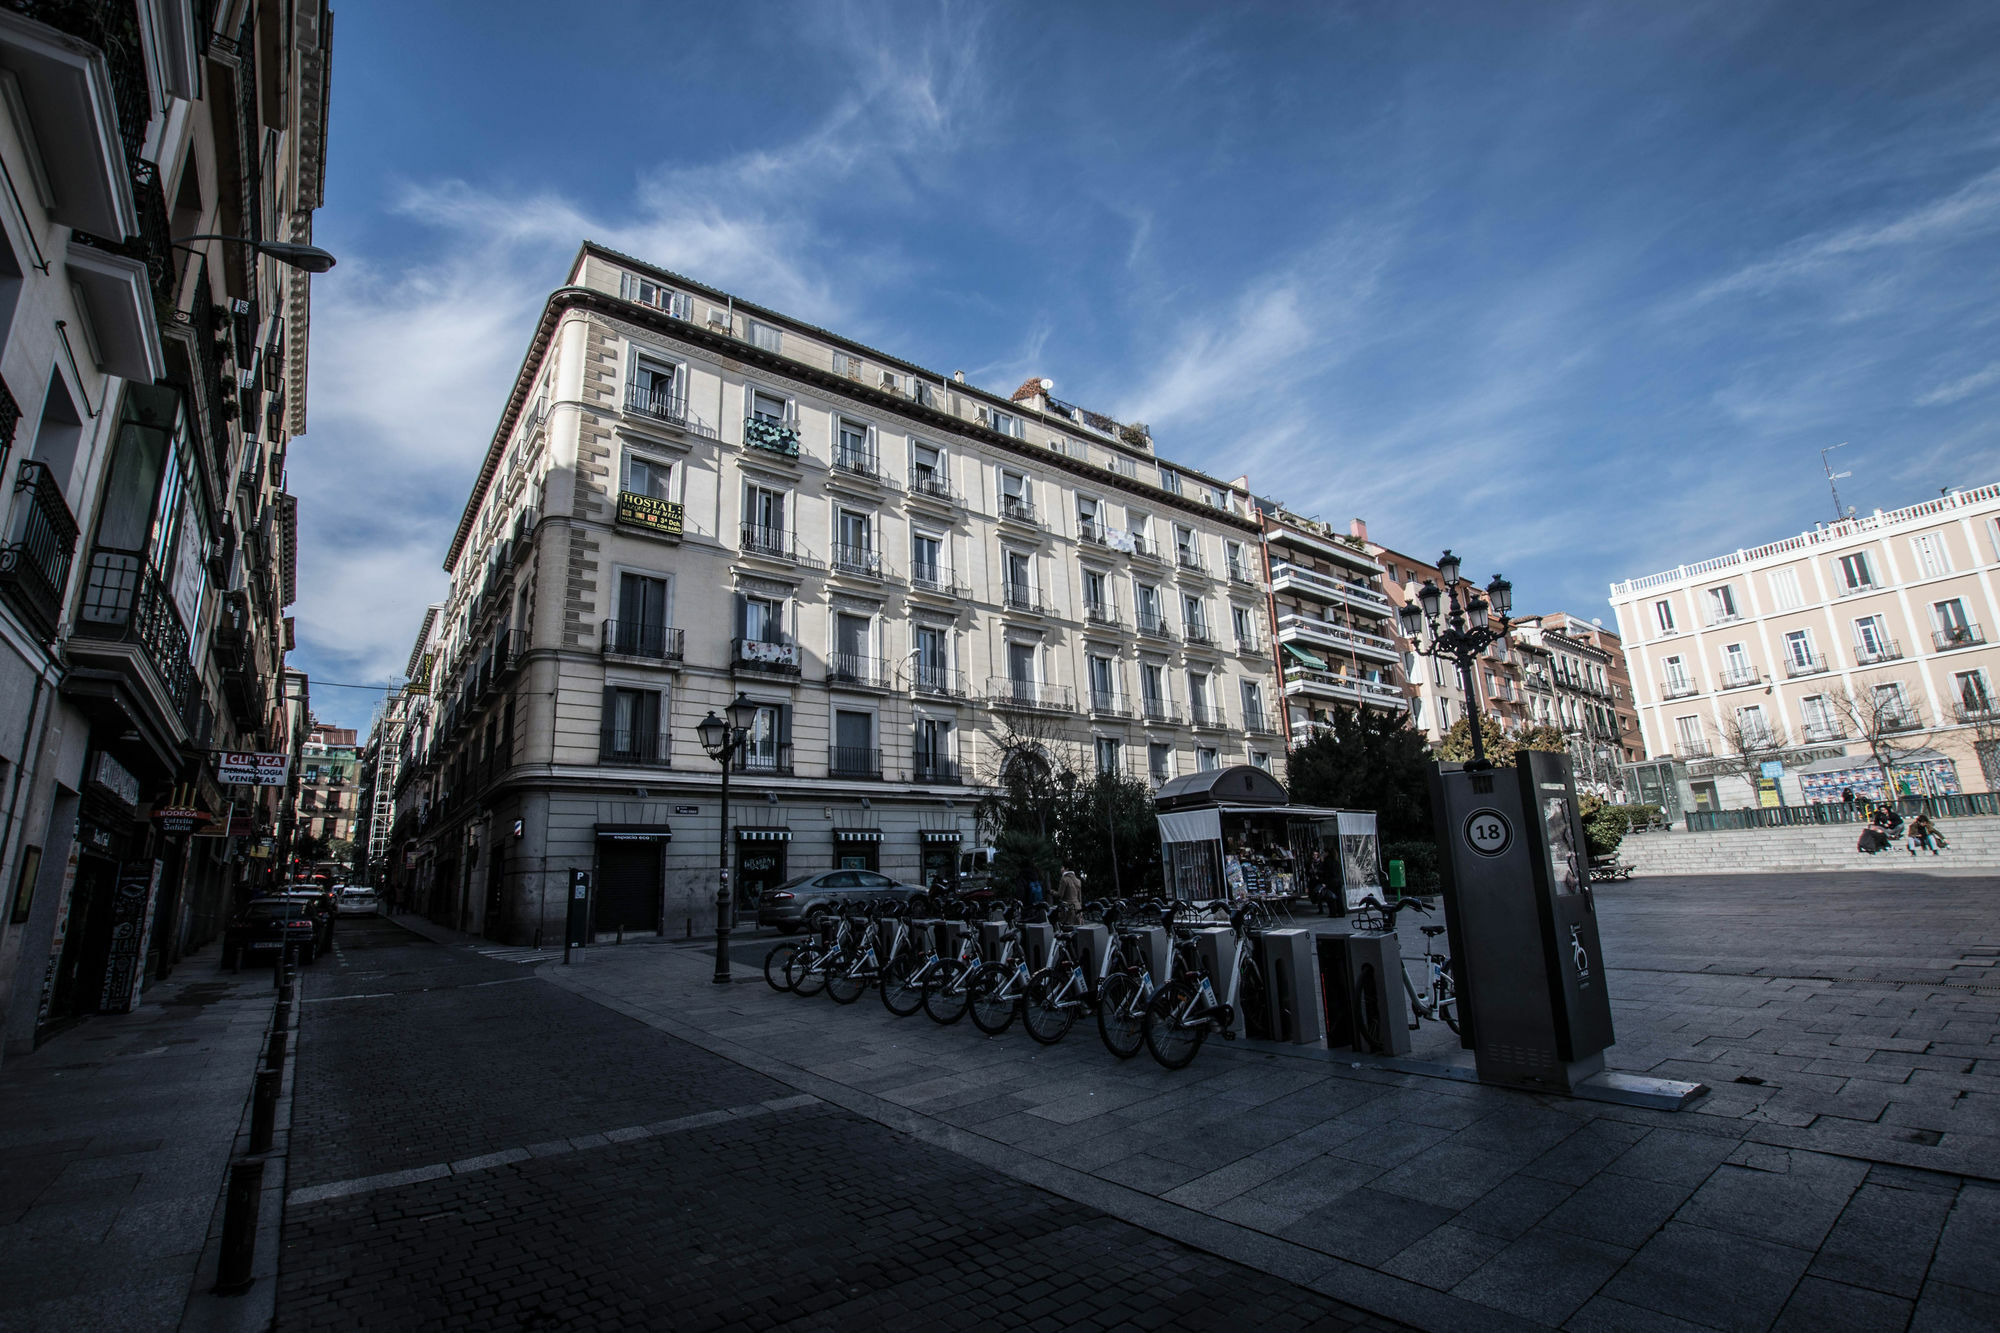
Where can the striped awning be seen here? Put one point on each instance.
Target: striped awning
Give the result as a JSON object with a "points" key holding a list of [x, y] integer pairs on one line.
{"points": [[747, 834], [857, 835], [942, 835]]}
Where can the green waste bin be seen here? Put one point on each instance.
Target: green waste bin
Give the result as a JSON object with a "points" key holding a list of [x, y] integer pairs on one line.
{"points": [[1396, 880]]}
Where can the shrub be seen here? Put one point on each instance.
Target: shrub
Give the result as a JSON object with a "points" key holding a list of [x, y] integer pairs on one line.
{"points": [[1420, 865]]}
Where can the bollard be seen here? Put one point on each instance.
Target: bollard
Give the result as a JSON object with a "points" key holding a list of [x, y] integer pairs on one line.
{"points": [[274, 1054], [239, 1228], [621, 934], [264, 1109], [689, 934], [281, 1015]]}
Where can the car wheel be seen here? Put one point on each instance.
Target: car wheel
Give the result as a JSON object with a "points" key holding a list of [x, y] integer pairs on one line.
{"points": [[816, 919]]}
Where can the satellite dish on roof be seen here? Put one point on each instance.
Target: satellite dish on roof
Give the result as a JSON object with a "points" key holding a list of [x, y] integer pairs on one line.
{"points": [[1048, 385]]}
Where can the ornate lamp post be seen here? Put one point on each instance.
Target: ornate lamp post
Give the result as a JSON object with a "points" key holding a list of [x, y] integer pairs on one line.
{"points": [[1461, 623], [724, 740]]}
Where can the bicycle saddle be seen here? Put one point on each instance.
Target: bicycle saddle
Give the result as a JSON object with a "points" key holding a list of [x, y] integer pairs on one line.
{"points": [[1433, 930]]}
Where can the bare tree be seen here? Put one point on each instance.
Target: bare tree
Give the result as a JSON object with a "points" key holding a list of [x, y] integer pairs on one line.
{"points": [[1750, 740], [1881, 715]]}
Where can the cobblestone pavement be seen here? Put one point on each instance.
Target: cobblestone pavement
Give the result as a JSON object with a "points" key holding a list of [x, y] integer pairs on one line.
{"points": [[550, 1163], [1844, 1174]]}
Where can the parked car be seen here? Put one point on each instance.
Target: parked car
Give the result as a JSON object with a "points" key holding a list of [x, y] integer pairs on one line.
{"points": [[804, 900], [359, 900], [264, 926], [323, 909]]}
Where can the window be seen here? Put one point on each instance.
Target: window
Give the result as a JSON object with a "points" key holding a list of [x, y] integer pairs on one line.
{"points": [[1260, 759], [1969, 688], [854, 744], [1206, 759], [647, 292], [1004, 422], [1185, 549], [1239, 621], [933, 659], [1933, 558], [1020, 583], [770, 408], [1200, 707], [1159, 761], [1785, 593], [1676, 672], [656, 387], [1017, 497], [1855, 572], [640, 629], [1689, 733], [631, 725], [649, 477], [854, 446], [1146, 601], [765, 336], [1871, 640], [1021, 663], [1799, 647], [1096, 600], [1170, 480], [853, 644], [1736, 668], [1663, 613], [854, 541], [1103, 682], [769, 739], [1089, 528], [1818, 715], [927, 469], [764, 620], [1722, 604], [1239, 567], [1194, 618], [1107, 755], [931, 748], [763, 519], [1253, 706], [1141, 528], [1750, 725], [1892, 706], [926, 560], [1153, 688], [1954, 629]]}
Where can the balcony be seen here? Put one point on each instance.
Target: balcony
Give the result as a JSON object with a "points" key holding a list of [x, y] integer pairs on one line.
{"points": [[1190, 560], [857, 561], [1882, 650], [1258, 723], [1735, 678], [1029, 696], [774, 658], [1143, 547], [774, 544], [1957, 636], [1021, 597], [1251, 646], [859, 464], [34, 565], [1205, 715], [777, 435], [1155, 709], [648, 749], [643, 400], [1303, 582], [857, 671], [1538, 681], [1810, 664], [1239, 572], [1344, 689], [1091, 533], [1101, 613], [1678, 688], [1109, 703], [766, 761], [1019, 509], [1294, 627], [930, 484], [1822, 733], [90, 109], [853, 761], [1900, 721], [937, 682], [1858, 589], [127, 285], [124, 601], [938, 580], [1692, 749], [1724, 618], [1198, 632], [642, 640], [934, 769], [1155, 624]]}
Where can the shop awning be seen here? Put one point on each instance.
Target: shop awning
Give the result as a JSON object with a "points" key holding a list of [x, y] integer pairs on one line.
{"points": [[1191, 826], [857, 835], [942, 835], [1305, 658], [745, 833]]}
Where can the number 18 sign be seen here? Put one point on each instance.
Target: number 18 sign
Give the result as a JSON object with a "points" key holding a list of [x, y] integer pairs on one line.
{"points": [[1488, 832]]}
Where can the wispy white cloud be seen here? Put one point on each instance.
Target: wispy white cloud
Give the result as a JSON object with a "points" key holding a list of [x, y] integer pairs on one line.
{"points": [[1963, 387]]}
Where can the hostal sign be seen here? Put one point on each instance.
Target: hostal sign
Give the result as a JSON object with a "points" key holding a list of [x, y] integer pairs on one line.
{"points": [[644, 511]]}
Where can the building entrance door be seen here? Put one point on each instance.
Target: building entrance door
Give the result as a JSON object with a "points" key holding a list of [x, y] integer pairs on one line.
{"points": [[86, 950], [760, 867], [628, 885]]}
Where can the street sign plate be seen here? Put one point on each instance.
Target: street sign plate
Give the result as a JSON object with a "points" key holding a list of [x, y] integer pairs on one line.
{"points": [[1488, 832]]}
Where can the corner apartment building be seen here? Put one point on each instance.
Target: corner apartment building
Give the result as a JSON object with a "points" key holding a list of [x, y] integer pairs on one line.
{"points": [[1335, 625], [691, 496], [148, 391], [329, 783], [1882, 619], [1571, 691]]}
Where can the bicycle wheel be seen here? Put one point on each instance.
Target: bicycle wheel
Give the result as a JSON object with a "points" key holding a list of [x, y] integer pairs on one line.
{"points": [[1048, 1010], [1120, 1018], [899, 997], [846, 982], [1172, 1037], [775, 964], [1253, 1003], [806, 971], [992, 1000], [1367, 1010], [945, 995]]}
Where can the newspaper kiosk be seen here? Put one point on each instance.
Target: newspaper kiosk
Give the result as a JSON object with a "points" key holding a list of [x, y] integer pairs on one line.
{"points": [[1233, 832]]}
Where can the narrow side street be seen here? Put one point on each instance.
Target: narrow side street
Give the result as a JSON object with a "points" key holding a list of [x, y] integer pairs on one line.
{"points": [[553, 1164]]}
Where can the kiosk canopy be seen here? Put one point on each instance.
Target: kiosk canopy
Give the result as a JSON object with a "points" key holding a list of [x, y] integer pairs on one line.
{"points": [[1241, 784]]}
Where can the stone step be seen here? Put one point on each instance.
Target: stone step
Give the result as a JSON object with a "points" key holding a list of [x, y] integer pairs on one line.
{"points": [[1972, 844]]}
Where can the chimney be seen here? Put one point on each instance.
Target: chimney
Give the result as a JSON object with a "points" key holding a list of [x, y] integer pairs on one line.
{"points": [[1358, 528], [958, 377]]}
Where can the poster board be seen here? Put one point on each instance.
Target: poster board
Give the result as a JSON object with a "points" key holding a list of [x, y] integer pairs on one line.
{"points": [[1360, 857]]}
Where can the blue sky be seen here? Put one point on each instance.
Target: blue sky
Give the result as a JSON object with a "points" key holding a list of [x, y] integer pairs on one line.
{"points": [[1578, 290]]}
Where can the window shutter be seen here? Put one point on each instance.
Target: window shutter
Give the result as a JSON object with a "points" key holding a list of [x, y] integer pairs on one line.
{"points": [[742, 616], [624, 286], [784, 724], [610, 716]]}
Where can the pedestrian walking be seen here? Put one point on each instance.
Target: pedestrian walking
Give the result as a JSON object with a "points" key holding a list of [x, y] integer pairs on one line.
{"points": [[1071, 889]]}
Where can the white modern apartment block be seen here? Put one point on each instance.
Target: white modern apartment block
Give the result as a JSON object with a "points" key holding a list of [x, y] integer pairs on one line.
{"points": [[1877, 625], [690, 496]]}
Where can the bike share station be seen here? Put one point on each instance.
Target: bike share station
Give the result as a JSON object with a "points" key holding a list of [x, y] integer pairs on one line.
{"points": [[1532, 1005]]}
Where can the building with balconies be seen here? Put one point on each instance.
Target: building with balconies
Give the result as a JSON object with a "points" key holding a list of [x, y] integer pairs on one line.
{"points": [[1333, 625], [690, 496], [1870, 628], [148, 392]]}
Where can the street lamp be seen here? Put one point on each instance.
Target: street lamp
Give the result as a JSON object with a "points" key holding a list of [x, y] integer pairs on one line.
{"points": [[724, 740], [308, 257], [1462, 623]]}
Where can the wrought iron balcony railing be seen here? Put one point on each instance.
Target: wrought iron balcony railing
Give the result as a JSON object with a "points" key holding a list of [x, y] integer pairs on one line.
{"points": [[859, 560], [1090, 531], [1957, 636], [1692, 749], [641, 638], [930, 483], [853, 761], [1677, 688], [643, 400], [1021, 597], [934, 768], [1155, 709], [1153, 623], [1101, 613], [938, 681], [113, 27], [1204, 714], [1032, 695], [1109, 703], [937, 579], [1811, 664], [769, 760], [1190, 560], [1736, 677], [1196, 631], [1882, 650], [858, 463], [1258, 723], [651, 749], [1018, 509], [857, 669], [34, 564], [774, 544], [125, 600]]}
